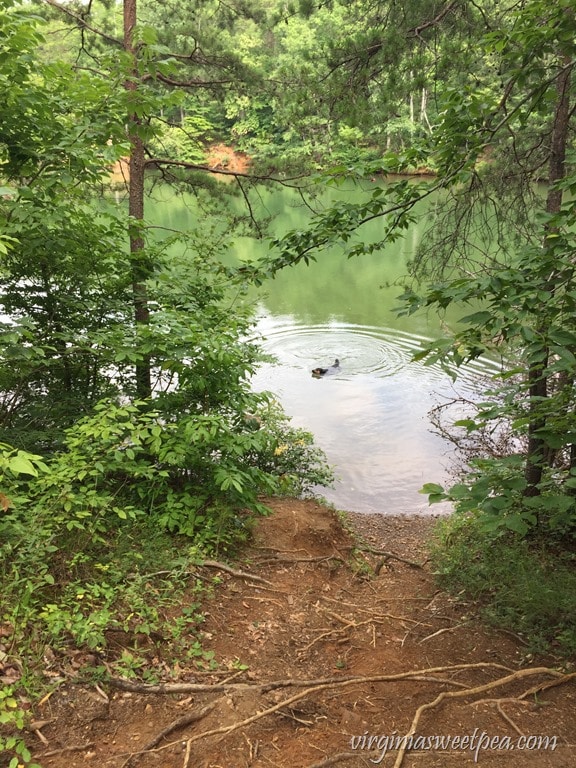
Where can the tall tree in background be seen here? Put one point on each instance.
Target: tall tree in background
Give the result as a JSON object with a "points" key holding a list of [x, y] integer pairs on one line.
{"points": [[141, 269], [156, 83]]}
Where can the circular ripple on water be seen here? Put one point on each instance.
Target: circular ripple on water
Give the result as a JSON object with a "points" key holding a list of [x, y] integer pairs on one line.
{"points": [[361, 349]]}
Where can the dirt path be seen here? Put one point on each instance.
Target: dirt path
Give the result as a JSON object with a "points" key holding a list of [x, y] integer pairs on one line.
{"points": [[305, 627]]}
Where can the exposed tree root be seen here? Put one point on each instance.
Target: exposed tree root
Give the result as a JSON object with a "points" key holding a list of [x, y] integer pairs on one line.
{"points": [[376, 617], [175, 725], [315, 686], [351, 624], [364, 547], [443, 630], [560, 680], [508, 719], [135, 687], [187, 754], [294, 560], [514, 677], [238, 574], [63, 750]]}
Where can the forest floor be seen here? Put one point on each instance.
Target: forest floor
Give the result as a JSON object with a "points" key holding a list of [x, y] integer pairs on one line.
{"points": [[326, 653]]}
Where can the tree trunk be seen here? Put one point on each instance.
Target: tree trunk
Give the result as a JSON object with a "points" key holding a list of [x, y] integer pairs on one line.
{"points": [[424, 109], [538, 385], [139, 261]]}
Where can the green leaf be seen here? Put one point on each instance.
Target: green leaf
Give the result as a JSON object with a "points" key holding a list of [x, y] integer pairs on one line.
{"points": [[478, 318], [469, 424], [563, 337], [21, 465], [431, 488], [516, 523]]}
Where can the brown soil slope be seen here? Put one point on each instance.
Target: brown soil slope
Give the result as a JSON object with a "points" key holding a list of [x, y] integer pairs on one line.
{"points": [[345, 651]]}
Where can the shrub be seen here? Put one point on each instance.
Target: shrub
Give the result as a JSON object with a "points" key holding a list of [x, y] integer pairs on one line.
{"points": [[521, 584]]}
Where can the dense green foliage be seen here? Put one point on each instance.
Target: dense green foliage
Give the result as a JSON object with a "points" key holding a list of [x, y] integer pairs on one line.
{"points": [[526, 282], [62, 281], [99, 487], [297, 87], [126, 417]]}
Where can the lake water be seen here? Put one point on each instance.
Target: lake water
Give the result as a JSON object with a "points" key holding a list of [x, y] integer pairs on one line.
{"points": [[370, 418]]}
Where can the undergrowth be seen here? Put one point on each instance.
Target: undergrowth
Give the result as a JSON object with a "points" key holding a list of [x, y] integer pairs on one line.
{"points": [[524, 585], [127, 604], [100, 543]]}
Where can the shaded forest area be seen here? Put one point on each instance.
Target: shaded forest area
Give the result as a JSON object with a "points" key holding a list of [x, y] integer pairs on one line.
{"points": [[131, 440]]}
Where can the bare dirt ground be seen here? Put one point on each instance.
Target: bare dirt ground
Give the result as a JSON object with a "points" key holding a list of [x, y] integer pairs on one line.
{"points": [[226, 158], [343, 649], [220, 157]]}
